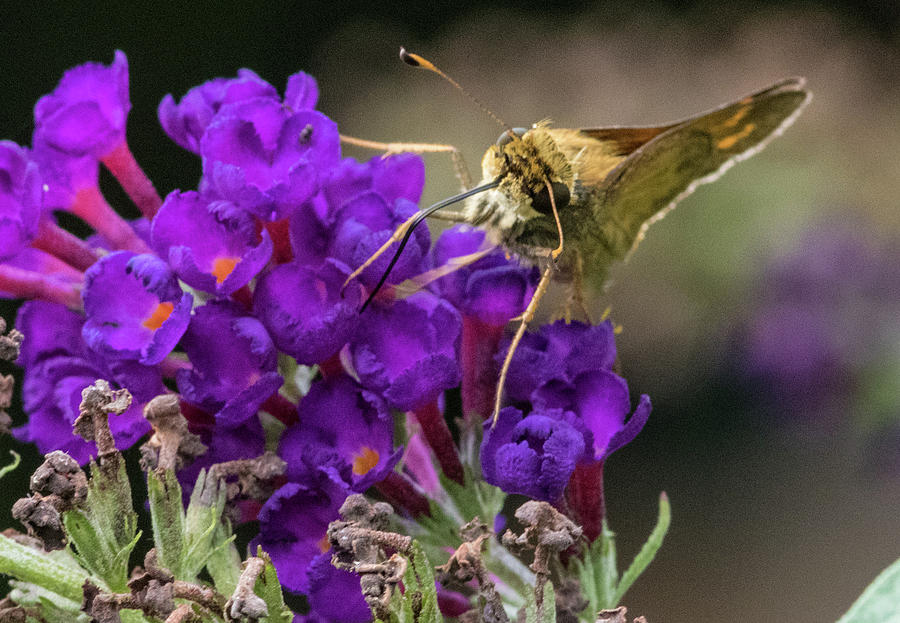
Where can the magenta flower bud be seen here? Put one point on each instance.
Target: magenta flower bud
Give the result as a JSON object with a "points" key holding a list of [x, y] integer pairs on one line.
{"points": [[20, 199], [87, 111], [186, 121]]}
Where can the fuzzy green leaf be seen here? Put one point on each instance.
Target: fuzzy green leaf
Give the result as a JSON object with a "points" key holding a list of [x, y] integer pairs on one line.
{"points": [[202, 520], [598, 574], [547, 612], [880, 602], [648, 551], [42, 570], [268, 589], [103, 532], [224, 563], [167, 518]]}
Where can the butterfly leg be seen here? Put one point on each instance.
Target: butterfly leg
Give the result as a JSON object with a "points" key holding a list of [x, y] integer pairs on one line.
{"points": [[527, 316], [576, 304], [555, 253], [459, 165]]}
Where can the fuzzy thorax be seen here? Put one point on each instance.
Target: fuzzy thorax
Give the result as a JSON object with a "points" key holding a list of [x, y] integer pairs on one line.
{"points": [[523, 166]]}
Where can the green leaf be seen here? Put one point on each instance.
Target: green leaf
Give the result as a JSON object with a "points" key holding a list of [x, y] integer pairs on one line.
{"points": [[167, 518], [420, 577], [38, 568], [880, 602], [598, 574], [202, 520], [269, 590], [103, 532], [224, 563], [648, 551], [548, 601]]}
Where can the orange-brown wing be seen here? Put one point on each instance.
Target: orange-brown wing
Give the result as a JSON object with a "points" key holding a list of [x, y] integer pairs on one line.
{"points": [[649, 181], [595, 152]]}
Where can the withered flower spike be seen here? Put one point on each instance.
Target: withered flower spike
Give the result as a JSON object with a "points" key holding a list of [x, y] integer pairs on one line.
{"points": [[97, 402], [244, 603], [359, 543], [60, 475], [170, 434], [10, 343], [467, 563], [183, 614], [616, 615], [58, 485], [256, 477], [42, 520], [547, 532]]}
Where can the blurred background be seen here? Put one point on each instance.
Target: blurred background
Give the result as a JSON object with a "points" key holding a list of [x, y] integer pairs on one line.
{"points": [[762, 316]]}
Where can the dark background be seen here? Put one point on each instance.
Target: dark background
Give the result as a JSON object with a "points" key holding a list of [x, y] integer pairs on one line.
{"points": [[780, 510]]}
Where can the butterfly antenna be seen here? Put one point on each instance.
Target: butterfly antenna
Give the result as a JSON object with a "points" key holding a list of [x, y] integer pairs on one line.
{"points": [[418, 61], [409, 231]]}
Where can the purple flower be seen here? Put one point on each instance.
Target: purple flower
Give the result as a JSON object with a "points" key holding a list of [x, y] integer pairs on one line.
{"points": [[400, 176], [186, 121], [134, 307], [265, 158], [364, 224], [293, 524], [20, 199], [559, 351], [600, 399], [493, 289], [344, 429], [357, 208], [534, 455], [233, 363], [58, 365], [64, 175], [303, 309], [87, 112], [213, 246], [302, 92], [334, 594], [407, 352]]}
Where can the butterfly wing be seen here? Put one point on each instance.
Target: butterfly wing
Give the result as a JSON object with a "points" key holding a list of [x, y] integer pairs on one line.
{"points": [[673, 160]]}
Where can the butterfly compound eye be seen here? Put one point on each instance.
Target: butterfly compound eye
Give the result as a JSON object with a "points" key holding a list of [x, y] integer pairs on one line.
{"points": [[541, 199], [506, 139]]}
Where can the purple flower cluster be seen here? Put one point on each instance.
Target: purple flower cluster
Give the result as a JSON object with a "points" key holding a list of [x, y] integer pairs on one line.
{"points": [[578, 417], [824, 319], [221, 292]]}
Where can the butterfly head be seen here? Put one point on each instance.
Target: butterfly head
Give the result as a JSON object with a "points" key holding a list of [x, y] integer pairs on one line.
{"points": [[523, 162]]}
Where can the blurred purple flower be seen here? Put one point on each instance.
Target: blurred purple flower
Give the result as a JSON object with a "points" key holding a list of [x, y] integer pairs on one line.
{"points": [[20, 199]]}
